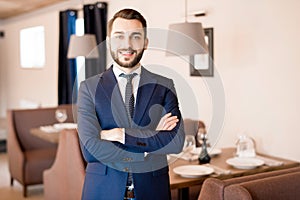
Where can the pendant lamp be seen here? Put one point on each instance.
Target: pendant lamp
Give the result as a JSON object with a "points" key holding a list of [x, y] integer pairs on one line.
{"points": [[185, 39], [84, 45]]}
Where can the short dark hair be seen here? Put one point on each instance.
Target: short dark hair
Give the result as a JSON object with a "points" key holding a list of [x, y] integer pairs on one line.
{"points": [[128, 13]]}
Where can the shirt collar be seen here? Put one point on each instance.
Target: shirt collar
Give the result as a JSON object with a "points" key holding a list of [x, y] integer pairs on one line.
{"points": [[117, 71]]}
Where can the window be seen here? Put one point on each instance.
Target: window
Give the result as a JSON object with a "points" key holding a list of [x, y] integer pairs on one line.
{"points": [[80, 61], [32, 47]]}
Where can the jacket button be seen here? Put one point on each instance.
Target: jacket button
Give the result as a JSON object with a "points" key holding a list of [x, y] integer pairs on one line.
{"points": [[126, 169], [127, 159], [141, 144]]}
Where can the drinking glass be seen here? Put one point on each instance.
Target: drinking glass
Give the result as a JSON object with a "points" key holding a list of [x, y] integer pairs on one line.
{"points": [[245, 146], [61, 115], [189, 143], [200, 136]]}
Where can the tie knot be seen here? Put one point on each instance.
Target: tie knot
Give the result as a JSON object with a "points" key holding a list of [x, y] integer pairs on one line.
{"points": [[129, 77]]}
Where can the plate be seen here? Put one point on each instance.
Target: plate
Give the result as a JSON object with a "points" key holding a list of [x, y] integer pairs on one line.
{"points": [[211, 152], [244, 163], [65, 126], [193, 171]]}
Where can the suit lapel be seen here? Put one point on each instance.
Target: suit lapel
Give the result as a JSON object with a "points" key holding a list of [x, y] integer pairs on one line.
{"points": [[110, 88], [146, 87]]}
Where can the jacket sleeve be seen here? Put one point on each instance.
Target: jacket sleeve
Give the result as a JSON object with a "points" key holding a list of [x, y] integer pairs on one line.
{"points": [[159, 142]]}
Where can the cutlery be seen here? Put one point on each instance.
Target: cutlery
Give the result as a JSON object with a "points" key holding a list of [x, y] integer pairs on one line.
{"points": [[270, 161]]}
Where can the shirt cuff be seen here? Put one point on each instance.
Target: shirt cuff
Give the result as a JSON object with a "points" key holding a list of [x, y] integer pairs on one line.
{"points": [[123, 135]]}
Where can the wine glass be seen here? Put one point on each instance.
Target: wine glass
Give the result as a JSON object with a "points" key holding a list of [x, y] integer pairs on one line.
{"points": [[61, 115], [202, 135], [188, 146], [189, 143]]}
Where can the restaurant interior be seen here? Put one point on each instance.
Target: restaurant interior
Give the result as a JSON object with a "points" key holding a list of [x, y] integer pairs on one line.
{"points": [[241, 86]]}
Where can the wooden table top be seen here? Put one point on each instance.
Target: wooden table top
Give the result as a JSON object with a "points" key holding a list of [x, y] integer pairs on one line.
{"points": [[178, 182], [52, 137]]}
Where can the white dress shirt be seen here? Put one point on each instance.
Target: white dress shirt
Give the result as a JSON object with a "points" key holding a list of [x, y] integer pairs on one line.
{"points": [[123, 81], [122, 86]]}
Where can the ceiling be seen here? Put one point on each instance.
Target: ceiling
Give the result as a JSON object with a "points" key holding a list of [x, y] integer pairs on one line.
{"points": [[11, 8]]}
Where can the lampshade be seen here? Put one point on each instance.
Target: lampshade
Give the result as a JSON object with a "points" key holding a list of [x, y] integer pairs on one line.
{"points": [[83, 46], [186, 39]]}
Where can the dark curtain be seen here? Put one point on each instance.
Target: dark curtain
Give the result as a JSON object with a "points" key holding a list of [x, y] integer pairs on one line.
{"points": [[95, 22], [67, 69]]}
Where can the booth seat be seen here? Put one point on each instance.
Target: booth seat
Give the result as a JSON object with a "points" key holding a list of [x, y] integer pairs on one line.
{"points": [[279, 184], [64, 180], [28, 155]]}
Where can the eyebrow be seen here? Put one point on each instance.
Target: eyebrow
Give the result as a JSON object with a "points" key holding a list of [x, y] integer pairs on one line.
{"points": [[136, 33], [122, 32], [118, 32]]}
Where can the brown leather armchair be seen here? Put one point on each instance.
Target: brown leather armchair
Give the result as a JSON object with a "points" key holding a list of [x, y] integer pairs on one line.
{"points": [[29, 156], [64, 180], [279, 184], [191, 128]]}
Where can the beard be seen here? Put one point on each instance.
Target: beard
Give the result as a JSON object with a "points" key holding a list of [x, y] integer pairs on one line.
{"points": [[131, 64]]}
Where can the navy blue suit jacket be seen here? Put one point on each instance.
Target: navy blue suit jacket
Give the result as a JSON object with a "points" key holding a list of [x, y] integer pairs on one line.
{"points": [[100, 107]]}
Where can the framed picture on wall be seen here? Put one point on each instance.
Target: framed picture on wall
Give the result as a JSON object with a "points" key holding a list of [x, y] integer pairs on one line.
{"points": [[202, 64]]}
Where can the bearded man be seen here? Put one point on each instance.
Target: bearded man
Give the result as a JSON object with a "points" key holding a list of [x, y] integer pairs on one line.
{"points": [[128, 120]]}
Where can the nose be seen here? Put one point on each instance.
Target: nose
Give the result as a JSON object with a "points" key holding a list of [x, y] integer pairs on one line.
{"points": [[126, 43]]}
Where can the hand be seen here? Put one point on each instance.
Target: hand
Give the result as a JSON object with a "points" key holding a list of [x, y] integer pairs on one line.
{"points": [[167, 122], [115, 134]]}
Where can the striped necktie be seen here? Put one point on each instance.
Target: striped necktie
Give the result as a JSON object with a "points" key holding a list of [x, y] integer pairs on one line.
{"points": [[129, 98], [129, 104]]}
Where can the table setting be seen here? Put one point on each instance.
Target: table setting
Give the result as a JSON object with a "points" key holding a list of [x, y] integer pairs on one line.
{"points": [[51, 132], [244, 157], [201, 154], [61, 116], [58, 127]]}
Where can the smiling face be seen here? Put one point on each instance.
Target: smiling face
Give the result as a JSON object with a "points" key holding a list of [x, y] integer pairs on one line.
{"points": [[127, 42]]}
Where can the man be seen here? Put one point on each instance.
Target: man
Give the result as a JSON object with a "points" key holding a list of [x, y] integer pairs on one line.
{"points": [[128, 125]]}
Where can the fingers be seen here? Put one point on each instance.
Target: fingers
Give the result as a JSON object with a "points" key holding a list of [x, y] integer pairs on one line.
{"points": [[171, 119], [162, 121], [167, 122], [170, 123], [166, 116]]}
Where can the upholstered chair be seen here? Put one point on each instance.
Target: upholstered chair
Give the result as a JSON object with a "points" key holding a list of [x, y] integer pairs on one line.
{"points": [[28, 155], [64, 180]]}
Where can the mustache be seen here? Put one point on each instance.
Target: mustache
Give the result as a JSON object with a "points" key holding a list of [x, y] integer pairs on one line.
{"points": [[128, 49]]}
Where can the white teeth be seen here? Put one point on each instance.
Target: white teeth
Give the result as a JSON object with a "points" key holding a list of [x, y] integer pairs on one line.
{"points": [[127, 52]]}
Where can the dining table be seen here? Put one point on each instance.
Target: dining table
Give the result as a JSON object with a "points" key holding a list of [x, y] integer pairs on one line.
{"points": [[222, 170], [50, 136]]}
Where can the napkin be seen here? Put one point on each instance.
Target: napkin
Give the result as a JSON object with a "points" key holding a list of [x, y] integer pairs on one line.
{"points": [[48, 129], [185, 156], [61, 126], [269, 161]]}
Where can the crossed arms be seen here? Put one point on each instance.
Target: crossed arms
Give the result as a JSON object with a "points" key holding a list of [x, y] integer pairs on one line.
{"points": [[115, 144]]}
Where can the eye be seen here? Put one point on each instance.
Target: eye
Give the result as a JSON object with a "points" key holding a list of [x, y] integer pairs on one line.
{"points": [[136, 37], [119, 37]]}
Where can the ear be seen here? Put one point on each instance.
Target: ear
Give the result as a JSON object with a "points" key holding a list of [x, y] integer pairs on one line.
{"points": [[146, 43], [107, 41]]}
